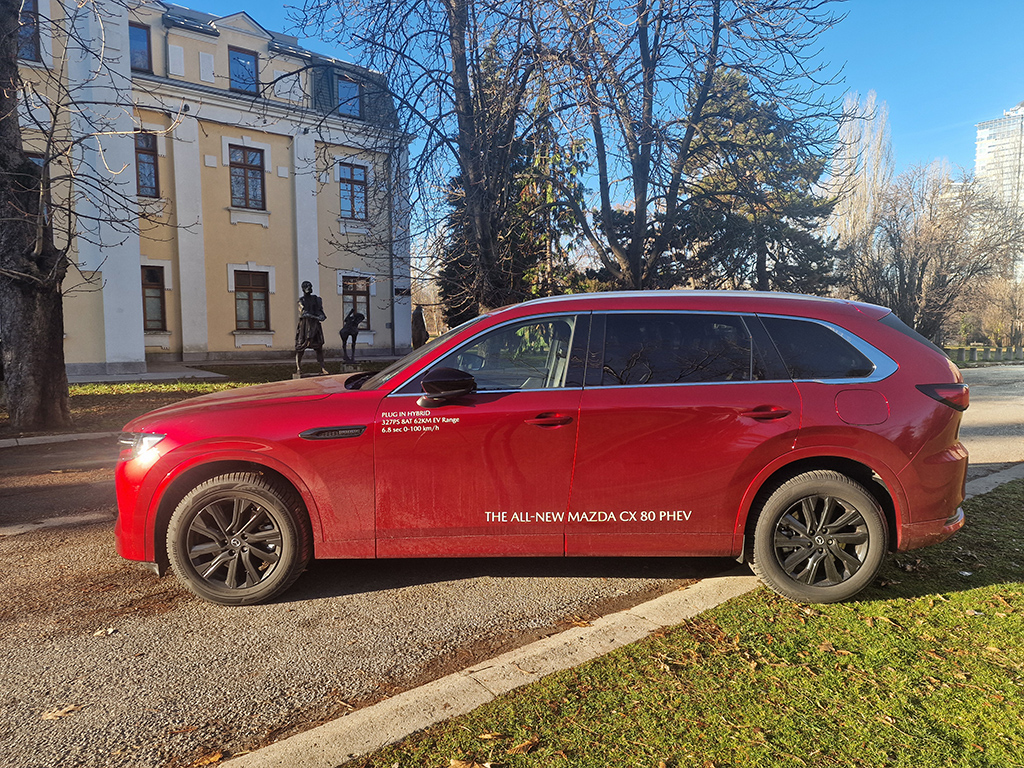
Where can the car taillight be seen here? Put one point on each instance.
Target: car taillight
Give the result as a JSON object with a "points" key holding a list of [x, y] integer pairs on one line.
{"points": [[956, 396]]}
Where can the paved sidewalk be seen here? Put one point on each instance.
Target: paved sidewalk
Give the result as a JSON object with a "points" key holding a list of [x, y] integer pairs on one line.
{"points": [[372, 728], [14, 442]]}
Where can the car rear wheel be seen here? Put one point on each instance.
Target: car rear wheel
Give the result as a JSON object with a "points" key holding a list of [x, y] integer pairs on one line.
{"points": [[239, 539], [820, 538]]}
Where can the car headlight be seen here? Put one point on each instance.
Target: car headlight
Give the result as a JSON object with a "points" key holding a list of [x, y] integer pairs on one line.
{"points": [[134, 444]]}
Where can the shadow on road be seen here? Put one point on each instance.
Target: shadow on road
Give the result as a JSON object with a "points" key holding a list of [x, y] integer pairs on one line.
{"points": [[334, 578]]}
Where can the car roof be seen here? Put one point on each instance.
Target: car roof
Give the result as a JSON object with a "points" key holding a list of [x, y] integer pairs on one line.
{"points": [[767, 302]]}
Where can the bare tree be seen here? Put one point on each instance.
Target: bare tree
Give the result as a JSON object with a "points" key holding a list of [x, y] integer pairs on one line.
{"points": [[643, 80], [935, 238], [629, 81], [464, 78], [862, 168], [66, 142]]}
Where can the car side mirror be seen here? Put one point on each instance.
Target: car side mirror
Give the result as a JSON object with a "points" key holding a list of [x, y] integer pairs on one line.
{"points": [[443, 384]]}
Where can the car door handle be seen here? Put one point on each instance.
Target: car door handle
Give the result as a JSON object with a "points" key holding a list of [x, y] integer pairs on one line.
{"points": [[550, 420], [767, 413]]}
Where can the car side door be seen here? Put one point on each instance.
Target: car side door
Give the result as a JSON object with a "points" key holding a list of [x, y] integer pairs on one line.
{"points": [[484, 473], [680, 412]]}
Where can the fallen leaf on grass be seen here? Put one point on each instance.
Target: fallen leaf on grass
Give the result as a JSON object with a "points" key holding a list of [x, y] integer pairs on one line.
{"points": [[827, 647], [491, 736], [57, 714], [526, 746], [470, 764]]}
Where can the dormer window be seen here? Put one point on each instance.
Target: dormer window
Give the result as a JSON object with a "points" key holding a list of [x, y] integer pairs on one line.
{"points": [[141, 55], [349, 102], [242, 69]]}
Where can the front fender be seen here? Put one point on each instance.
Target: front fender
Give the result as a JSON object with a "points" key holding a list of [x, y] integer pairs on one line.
{"points": [[181, 462]]}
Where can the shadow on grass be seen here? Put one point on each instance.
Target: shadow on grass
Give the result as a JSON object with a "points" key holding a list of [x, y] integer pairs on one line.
{"points": [[987, 551]]}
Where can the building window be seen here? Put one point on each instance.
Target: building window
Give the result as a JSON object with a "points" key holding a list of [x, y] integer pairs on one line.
{"points": [[145, 165], [242, 69], [44, 181], [153, 307], [353, 190], [349, 102], [141, 56], [246, 178], [28, 32], [252, 305], [355, 294]]}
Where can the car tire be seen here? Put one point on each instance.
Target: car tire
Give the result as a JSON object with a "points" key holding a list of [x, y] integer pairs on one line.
{"points": [[820, 538], [239, 539]]}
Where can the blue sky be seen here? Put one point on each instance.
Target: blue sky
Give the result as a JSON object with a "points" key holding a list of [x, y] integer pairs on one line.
{"points": [[942, 66]]}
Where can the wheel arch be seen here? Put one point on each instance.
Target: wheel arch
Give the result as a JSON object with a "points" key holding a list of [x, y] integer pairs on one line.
{"points": [[762, 488], [177, 488]]}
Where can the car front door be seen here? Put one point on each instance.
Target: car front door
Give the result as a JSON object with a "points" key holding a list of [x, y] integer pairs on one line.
{"points": [[486, 473], [675, 421]]}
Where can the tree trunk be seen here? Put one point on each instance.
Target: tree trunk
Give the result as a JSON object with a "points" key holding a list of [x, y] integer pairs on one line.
{"points": [[31, 267], [33, 350]]}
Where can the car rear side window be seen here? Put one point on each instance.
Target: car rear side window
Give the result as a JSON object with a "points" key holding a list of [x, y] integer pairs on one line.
{"points": [[675, 348], [811, 350]]}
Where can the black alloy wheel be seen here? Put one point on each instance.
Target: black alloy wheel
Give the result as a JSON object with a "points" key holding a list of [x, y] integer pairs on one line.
{"points": [[239, 539], [821, 537]]}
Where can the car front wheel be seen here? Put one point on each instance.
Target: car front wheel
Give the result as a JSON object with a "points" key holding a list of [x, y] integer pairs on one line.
{"points": [[820, 538], [239, 539]]}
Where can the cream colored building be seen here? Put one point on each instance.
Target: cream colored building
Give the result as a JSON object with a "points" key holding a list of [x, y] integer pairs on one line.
{"points": [[258, 165]]}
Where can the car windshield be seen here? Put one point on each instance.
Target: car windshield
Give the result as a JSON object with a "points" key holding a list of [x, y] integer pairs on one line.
{"points": [[383, 377]]}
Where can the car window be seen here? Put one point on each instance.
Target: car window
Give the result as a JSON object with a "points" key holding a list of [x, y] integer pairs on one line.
{"points": [[676, 348], [814, 351], [528, 355], [397, 367]]}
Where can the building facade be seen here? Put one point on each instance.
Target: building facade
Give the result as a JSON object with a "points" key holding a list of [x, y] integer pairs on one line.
{"points": [[249, 164], [999, 158]]}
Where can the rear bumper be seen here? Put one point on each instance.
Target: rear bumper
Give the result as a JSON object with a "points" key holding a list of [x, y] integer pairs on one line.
{"points": [[918, 535]]}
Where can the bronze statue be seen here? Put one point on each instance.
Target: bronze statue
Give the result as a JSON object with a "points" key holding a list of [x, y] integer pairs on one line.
{"points": [[419, 328], [350, 330], [309, 332]]}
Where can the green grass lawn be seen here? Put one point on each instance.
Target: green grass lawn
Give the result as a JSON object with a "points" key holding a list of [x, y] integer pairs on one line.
{"points": [[926, 670]]}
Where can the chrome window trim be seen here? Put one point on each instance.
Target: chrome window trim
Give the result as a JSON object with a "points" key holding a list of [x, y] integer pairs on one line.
{"points": [[885, 366]]}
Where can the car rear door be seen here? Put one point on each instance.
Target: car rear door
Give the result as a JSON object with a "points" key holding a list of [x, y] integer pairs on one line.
{"points": [[676, 419]]}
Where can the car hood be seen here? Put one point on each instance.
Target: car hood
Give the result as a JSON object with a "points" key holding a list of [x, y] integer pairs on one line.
{"points": [[278, 392]]}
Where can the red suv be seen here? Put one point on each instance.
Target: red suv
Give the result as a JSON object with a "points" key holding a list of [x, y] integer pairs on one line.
{"points": [[806, 436]]}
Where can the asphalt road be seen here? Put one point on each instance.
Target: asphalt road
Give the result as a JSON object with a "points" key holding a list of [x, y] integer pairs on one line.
{"points": [[993, 425], [106, 665]]}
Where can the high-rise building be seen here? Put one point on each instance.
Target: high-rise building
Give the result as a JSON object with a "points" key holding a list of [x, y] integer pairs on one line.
{"points": [[999, 158]]}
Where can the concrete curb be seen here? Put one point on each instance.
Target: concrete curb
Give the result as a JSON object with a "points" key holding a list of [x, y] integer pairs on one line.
{"points": [[372, 728], [991, 482], [14, 442], [365, 730]]}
